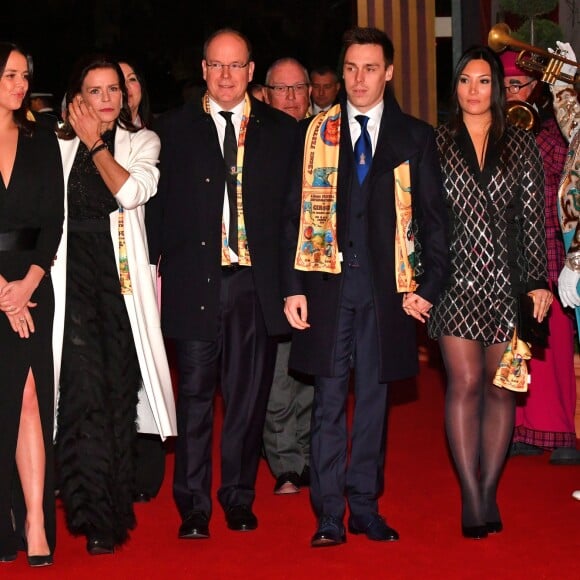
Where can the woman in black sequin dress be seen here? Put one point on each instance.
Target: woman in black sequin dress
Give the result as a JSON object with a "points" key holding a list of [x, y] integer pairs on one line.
{"points": [[494, 187]]}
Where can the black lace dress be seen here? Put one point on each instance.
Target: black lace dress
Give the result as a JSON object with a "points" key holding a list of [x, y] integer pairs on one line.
{"points": [[100, 375]]}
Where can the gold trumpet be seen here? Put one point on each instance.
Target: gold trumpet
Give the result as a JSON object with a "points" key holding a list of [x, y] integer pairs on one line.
{"points": [[532, 58]]}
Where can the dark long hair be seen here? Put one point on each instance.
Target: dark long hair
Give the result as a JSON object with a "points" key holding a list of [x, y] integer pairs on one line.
{"points": [[81, 69], [20, 115], [498, 115], [144, 109]]}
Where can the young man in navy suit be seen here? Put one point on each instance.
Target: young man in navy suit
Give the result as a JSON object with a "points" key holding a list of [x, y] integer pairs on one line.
{"points": [[352, 283]]}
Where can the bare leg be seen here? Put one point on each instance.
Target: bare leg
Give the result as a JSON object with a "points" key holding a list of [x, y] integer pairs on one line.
{"points": [[30, 461]]}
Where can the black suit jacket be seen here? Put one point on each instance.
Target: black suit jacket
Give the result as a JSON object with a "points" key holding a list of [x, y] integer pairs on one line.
{"points": [[184, 218], [401, 138]]}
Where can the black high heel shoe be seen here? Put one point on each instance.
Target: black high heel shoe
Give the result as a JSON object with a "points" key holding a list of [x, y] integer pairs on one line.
{"points": [[494, 527], [474, 532], [39, 561]]}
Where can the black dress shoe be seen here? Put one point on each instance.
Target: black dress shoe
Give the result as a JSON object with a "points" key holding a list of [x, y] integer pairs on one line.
{"points": [[99, 546], [287, 483], [241, 518], [7, 557], [494, 527], [330, 532], [474, 532], [565, 456], [39, 561], [194, 527], [374, 527]]}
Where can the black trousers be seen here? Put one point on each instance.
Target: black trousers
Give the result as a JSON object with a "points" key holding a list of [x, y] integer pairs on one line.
{"points": [[241, 360]]}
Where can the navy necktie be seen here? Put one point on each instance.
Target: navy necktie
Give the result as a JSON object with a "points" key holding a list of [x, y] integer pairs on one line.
{"points": [[231, 161], [363, 150]]}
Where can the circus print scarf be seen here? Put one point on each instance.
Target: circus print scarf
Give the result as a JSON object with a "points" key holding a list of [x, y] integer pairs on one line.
{"points": [[243, 249], [317, 248]]}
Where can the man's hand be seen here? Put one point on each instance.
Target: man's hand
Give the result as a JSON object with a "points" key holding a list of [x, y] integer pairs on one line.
{"points": [[567, 287], [296, 311]]}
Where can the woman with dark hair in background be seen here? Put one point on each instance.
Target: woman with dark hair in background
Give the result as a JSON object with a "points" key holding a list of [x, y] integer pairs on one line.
{"points": [[106, 321], [150, 460], [494, 187], [31, 216]]}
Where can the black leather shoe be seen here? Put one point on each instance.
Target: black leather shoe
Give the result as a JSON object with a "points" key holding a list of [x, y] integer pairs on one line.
{"points": [[241, 518], [287, 483], [100, 546], [39, 561], [194, 527], [374, 527], [494, 527], [7, 557], [474, 532], [330, 532], [565, 456]]}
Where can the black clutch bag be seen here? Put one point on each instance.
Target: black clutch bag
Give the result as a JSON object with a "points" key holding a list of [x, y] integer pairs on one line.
{"points": [[529, 329]]}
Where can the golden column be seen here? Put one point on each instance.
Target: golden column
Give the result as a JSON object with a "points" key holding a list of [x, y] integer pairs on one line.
{"points": [[411, 26]]}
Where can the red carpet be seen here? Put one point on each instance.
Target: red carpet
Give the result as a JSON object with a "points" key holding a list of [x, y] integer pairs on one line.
{"points": [[541, 537]]}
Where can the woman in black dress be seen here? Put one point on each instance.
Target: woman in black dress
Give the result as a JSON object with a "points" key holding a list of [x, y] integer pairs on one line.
{"points": [[31, 218], [494, 188], [106, 316]]}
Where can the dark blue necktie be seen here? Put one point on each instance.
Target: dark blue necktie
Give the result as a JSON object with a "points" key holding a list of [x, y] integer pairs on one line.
{"points": [[363, 150]]}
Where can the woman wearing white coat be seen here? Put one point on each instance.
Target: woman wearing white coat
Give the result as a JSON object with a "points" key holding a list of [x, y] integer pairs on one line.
{"points": [[107, 338]]}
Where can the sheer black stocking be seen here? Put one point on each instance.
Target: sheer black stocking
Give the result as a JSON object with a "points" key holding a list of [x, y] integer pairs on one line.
{"points": [[479, 419]]}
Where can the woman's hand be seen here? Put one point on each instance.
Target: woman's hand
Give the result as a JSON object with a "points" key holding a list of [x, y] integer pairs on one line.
{"points": [[15, 296], [542, 301], [22, 323], [417, 307], [85, 122]]}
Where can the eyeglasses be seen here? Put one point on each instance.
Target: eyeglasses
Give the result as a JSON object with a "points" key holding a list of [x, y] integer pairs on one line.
{"points": [[515, 88], [234, 66], [298, 89]]}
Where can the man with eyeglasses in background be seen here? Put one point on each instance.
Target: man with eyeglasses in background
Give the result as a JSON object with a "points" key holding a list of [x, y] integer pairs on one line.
{"points": [[287, 426], [545, 416], [325, 87], [214, 228]]}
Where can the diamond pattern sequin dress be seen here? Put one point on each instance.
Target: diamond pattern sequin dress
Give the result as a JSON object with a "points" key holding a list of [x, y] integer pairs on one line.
{"points": [[497, 239]]}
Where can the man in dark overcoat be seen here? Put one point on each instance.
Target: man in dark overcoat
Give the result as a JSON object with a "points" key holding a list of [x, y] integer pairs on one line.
{"points": [[357, 317], [221, 301]]}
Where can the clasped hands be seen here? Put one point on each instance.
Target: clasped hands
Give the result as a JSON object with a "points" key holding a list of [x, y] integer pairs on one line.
{"points": [[417, 307], [15, 303]]}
